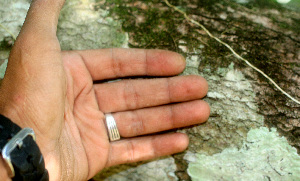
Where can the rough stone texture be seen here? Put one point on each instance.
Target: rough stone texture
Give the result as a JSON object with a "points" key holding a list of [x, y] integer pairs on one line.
{"points": [[240, 99], [264, 156], [12, 16], [162, 170], [81, 26], [233, 111], [3, 68]]}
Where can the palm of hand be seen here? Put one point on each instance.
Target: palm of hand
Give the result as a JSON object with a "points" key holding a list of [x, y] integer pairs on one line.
{"points": [[88, 102], [85, 132]]}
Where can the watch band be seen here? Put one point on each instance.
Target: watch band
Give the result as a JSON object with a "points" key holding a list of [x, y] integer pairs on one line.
{"points": [[21, 153]]}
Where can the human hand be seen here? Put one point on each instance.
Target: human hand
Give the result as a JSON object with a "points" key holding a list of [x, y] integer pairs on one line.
{"points": [[55, 93]]}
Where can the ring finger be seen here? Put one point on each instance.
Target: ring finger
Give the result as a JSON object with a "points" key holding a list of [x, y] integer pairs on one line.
{"points": [[157, 119]]}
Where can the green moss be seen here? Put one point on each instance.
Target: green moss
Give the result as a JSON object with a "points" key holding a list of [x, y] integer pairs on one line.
{"points": [[6, 43], [156, 29], [294, 26], [264, 4], [264, 156]]}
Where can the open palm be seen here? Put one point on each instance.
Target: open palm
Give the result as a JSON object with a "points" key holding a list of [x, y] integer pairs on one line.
{"points": [[64, 97]]}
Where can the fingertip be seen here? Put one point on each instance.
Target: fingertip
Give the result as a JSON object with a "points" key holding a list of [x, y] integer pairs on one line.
{"points": [[182, 141], [205, 85], [200, 83], [178, 61], [186, 88], [181, 62], [201, 110], [205, 111], [164, 63], [170, 143]]}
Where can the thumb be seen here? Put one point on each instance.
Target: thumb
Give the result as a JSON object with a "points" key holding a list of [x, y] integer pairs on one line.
{"points": [[35, 69], [42, 17], [37, 49]]}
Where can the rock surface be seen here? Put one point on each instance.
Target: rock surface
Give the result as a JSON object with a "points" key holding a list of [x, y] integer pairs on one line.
{"points": [[82, 27], [162, 170], [264, 156], [12, 16]]}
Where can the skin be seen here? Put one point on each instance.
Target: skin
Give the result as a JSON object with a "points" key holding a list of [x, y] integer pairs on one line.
{"points": [[55, 93]]}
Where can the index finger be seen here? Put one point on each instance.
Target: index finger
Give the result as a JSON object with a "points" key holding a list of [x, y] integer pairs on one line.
{"points": [[117, 62]]}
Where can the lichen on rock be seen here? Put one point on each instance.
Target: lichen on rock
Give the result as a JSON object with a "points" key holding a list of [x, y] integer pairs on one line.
{"points": [[3, 68], [264, 156], [233, 109], [82, 27], [12, 16], [162, 170]]}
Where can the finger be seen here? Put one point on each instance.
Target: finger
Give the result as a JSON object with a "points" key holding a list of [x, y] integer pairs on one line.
{"points": [[157, 119], [35, 68], [37, 49], [145, 148], [42, 17], [135, 94], [114, 63]]}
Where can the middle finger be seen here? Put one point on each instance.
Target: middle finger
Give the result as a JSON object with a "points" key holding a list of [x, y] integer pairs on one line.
{"points": [[140, 93]]}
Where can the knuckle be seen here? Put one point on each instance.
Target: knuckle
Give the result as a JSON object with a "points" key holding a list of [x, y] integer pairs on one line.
{"points": [[130, 95], [131, 152], [138, 127]]}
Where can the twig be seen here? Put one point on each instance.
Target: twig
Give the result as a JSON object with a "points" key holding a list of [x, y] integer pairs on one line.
{"points": [[234, 53], [2, 26]]}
